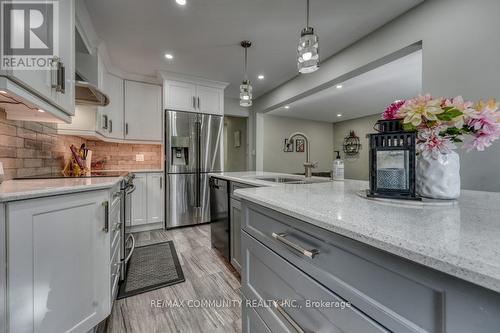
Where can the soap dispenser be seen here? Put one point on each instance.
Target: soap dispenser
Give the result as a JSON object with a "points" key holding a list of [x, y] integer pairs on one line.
{"points": [[338, 168]]}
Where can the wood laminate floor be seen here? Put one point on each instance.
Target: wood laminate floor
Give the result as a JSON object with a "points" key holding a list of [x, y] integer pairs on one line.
{"points": [[208, 277]]}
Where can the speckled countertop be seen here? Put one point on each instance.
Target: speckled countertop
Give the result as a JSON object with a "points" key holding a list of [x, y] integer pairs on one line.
{"points": [[12, 190], [462, 240]]}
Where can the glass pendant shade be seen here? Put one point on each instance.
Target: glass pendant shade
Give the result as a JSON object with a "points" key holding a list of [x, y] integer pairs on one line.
{"points": [[245, 94], [308, 51]]}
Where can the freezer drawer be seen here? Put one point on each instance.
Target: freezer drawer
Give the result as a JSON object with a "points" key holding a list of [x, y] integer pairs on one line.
{"points": [[182, 200]]}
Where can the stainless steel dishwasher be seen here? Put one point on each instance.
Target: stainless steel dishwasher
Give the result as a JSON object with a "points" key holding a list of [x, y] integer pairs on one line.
{"points": [[219, 215]]}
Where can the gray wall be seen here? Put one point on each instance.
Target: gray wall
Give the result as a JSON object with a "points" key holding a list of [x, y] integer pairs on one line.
{"points": [[355, 167], [276, 129], [235, 158], [458, 58], [232, 108]]}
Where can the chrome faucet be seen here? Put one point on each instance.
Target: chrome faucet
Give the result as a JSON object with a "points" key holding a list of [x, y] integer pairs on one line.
{"points": [[308, 166]]}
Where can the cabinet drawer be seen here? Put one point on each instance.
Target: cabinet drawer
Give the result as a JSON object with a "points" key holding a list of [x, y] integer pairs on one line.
{"points": [[251, 322], [268, 277], [352, 270], [115, 226], [114, 272]]}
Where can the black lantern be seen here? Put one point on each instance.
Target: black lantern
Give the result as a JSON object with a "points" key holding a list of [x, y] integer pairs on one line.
{"points": [[392, 161]]}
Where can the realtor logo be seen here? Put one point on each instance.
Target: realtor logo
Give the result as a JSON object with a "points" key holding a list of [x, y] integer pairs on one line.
{"points": [[29, 37]]}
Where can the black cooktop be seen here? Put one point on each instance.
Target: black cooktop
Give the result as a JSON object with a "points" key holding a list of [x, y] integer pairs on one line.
{"points": [[92, 174]]}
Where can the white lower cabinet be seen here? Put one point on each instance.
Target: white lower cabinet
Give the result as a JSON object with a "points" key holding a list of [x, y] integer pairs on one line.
{"points": [[58, 254], [139, 200], [155, 197], [148, 200]]}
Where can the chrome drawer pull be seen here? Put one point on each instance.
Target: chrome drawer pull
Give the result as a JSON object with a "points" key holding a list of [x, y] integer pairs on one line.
{"points": [[282, 238], [287, 317]]}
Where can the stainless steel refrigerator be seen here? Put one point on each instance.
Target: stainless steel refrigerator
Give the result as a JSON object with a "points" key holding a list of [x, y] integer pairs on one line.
{"points": [[193, 148]]}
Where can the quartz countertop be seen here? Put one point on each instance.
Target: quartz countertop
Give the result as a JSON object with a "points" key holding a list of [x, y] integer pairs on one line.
{"points": [[139, 170], [252, 177], [12, 190], [462, 240]]}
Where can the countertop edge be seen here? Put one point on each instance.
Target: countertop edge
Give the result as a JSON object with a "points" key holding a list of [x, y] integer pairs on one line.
{"points": [[55, 191], [457, 271]]}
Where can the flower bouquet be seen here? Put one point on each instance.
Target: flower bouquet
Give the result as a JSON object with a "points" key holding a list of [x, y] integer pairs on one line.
{"points": [[440, 124]]}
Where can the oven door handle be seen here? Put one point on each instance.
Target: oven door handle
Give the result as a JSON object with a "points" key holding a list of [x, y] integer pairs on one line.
{"points": [[124, 261], [130, 190]]}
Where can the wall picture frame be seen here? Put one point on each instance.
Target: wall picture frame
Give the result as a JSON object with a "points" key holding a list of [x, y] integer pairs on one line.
{"points": [[287, 147], [300, 145]]}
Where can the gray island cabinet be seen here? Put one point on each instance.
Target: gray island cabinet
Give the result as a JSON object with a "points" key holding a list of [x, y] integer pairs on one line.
{"points": [[297, 276]]}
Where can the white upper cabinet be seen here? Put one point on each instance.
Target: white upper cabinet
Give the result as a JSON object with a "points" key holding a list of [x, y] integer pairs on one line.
{"points": [[210, 100], [113, 126], [143, 111], [193, 95], [180, 96], [51, 90], [65, 98]]}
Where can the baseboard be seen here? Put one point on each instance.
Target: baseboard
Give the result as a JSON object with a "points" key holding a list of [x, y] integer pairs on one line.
{"points": [[147, 227]]}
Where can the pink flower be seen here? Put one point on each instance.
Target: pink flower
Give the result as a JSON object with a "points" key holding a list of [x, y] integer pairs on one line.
{"points": [[431, 144], [465, 106], [391, 112], [484, 124], [480, 141], [421, 109]]}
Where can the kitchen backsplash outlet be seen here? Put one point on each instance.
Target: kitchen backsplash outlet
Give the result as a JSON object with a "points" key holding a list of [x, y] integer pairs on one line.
{"points": [[139, 157]]}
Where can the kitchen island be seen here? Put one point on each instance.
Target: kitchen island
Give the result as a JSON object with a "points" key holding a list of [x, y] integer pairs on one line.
{"points": [[400, 267]]}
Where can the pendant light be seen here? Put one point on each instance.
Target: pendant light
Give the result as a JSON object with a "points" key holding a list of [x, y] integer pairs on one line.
{"points": [[308, 48], [246, 87]]}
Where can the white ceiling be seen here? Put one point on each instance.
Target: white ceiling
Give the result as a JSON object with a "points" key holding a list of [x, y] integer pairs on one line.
{"points": [[363, 95], [204, 35]]}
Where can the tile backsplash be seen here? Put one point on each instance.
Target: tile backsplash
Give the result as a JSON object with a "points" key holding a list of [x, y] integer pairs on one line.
{"points": [[30, 148], [122, 156]]}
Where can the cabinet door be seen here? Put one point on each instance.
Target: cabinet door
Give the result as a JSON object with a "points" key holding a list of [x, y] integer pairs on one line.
{"points": [[58, 255], [143, 111], [155, 197], [235, 227], [113, 86], [139, 200], [39, 82], [66, 99], [180, 96], [210, 100]]}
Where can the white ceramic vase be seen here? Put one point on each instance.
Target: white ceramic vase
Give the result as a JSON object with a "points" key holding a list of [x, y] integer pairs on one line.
{"points": [[438, 178]]}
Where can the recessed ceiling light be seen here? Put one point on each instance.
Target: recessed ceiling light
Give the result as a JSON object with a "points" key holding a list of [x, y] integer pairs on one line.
{"points": [[260, 76], [339, 86], [40, 110], [181, 2], [287, 106], [339, 114], [3, 92], [169, 56]]}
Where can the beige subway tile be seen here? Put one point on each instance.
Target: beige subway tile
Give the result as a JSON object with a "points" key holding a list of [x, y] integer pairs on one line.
{"points": [[7, 151], [32, 162]]}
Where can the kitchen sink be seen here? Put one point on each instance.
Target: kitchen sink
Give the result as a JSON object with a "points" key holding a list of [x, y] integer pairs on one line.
{"points": [[290, 180]]}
